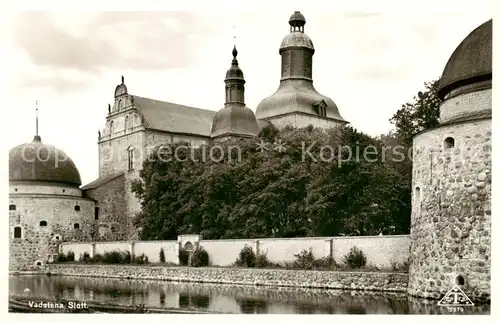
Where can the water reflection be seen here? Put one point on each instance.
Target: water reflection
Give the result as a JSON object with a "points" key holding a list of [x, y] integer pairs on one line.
{"points": [[226, 298]]}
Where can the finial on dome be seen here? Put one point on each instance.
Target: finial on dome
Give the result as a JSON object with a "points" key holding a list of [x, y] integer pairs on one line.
{"points": [[36, 126], [235, 52], [123, 80], [37, 138]]}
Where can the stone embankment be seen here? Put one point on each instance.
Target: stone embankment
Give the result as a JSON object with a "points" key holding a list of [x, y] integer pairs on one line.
{"points": [[367, 281]]}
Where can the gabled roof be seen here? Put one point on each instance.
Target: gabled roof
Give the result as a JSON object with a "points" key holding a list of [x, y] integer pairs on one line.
{"points": [[171, 117], [101, 181]]}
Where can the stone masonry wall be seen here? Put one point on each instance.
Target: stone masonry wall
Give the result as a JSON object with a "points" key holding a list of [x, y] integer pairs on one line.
{"points": [[451, 211], [112, 222], [39, 243], [465, 104], [373, 281]]}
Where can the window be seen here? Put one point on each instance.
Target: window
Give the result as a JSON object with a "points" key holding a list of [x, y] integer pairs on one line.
{"points": [[322, 111], [17, 232], [77, 207], [188, 246], [111, 127], [43, 223], [12, 207], [417, 194], [76, 226], [460, 281], [96, 213], [38, 263], [126, 123], [449, 143], [130, 158]]}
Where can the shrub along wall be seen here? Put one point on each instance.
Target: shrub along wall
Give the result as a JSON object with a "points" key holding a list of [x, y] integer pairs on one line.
{"points": [[375, 281], [380, 251]]}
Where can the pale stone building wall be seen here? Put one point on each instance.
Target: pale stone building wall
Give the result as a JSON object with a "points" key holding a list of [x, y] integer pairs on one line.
{"points": [[300, 120], [451, 209], [45, 220], [465, 104]]}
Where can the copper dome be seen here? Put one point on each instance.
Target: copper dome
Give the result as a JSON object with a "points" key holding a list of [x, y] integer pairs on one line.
{"points": [[35, 161], [470, 63], [235, 120]]}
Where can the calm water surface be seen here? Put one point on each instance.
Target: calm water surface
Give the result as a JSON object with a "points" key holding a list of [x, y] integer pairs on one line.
{"points": [[226, 298]]}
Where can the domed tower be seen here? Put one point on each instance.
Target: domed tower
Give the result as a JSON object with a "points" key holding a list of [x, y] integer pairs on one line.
{"points": [[451, 200], [46, 206], [235, 119], [296, 102]]}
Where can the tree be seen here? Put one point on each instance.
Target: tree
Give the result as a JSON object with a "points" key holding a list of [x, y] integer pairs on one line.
{"points": [[272, 193], [421, 114]]}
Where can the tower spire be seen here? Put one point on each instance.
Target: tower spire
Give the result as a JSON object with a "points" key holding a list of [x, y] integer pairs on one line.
{"points": [[36, 117], [37, 137]]}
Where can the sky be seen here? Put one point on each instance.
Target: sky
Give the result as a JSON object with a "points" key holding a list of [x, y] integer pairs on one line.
{"points": [[368, 62]]}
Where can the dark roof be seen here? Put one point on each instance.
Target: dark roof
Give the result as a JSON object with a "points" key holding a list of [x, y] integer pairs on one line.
{"points": [[171, 117], [235, 120], [35, 161], [296, 96], [101, 181], [470, 62], [297, 19]]}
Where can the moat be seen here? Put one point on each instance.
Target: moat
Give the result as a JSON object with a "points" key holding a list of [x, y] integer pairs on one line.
{"points": [[227, 298]]}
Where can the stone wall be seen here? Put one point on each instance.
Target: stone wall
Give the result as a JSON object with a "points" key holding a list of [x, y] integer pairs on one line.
{"points": [[451, 210], [45, 220], [380, 251], [373, 281], [301, 120], [110, 197]]}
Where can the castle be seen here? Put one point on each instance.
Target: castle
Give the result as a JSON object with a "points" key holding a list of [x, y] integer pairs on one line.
{"points": [[450, 233]]}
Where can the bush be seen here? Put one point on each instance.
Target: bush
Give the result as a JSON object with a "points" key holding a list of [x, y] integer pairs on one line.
{"points": [[199, 258], [98, 258], [183, 257], [326, 263], [246, 258], [304, 260], [61, 258], [85, 257], [141, 260], [355, 258], [162, 255], [261, 261], [401, 267], [70, 256]]}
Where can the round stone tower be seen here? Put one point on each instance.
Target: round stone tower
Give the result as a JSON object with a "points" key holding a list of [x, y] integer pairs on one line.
{"points": [[46, 206], [451, 199]]}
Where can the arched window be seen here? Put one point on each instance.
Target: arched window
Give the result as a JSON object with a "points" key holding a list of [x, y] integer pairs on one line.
{"points": [[77, 207], [449, 143], [460, 281], [130, 152], [43, 223], [111, 127], [126, 123], [76, 226], [12, 207], [188, 246], [17, 232], [417, 194]]}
